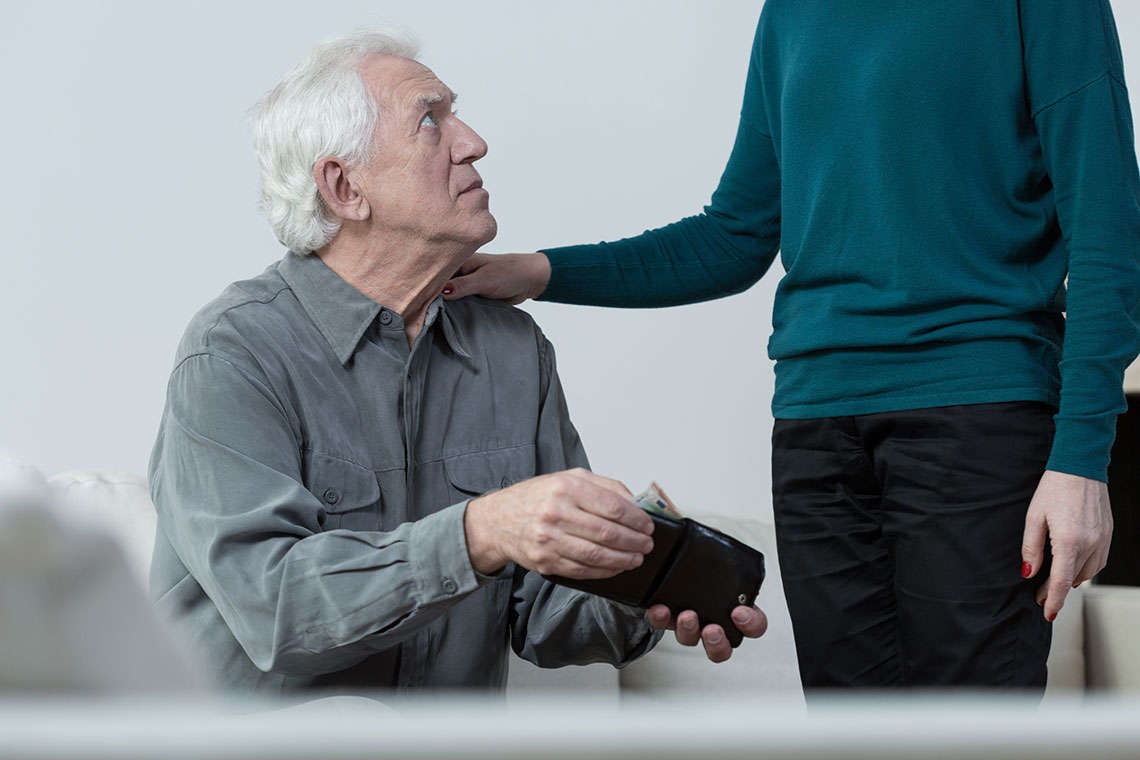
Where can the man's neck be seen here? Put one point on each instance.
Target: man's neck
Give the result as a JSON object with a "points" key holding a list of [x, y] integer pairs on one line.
{"points": [[403, 275]]}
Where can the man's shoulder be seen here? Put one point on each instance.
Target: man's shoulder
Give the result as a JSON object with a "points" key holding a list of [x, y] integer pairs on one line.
{"points": [[486, 318], [223, 326], [479, 309]]}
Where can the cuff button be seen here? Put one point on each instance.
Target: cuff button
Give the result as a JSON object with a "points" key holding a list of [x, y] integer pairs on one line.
{"points": [[450, 586]]}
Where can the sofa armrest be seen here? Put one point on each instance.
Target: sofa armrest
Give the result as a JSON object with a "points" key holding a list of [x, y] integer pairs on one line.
{"points": [[1112, 655]]}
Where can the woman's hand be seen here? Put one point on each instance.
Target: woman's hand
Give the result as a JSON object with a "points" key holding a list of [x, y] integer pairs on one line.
{"points": [[1075, 513], [510, 277]]}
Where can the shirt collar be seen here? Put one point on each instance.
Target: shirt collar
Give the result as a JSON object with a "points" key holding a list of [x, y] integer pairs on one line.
{"points": [[454, 332], [342, 313]]}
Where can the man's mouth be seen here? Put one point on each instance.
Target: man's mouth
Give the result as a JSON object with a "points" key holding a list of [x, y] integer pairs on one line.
{"points": [[473, 186]]}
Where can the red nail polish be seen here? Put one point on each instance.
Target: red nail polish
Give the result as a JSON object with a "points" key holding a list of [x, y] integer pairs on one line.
{"points": [[1026, 569], [1052, 617], [448, 290]]}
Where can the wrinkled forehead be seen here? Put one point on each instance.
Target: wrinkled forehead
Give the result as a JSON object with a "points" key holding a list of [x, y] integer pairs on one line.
{"points": [[400, 84]]}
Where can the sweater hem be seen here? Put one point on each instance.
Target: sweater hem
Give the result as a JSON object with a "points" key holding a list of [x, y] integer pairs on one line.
{"points": [[896, 403]]}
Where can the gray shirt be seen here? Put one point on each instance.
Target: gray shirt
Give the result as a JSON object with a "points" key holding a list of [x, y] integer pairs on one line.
{"points": [[311, 474]]}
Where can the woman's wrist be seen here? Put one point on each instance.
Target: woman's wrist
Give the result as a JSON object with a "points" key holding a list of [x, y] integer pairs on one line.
{"points": [[539, 275]]}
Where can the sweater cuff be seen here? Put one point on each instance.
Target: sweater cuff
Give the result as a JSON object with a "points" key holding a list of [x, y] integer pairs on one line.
{"points": [[570, 273], [1082, 446]]}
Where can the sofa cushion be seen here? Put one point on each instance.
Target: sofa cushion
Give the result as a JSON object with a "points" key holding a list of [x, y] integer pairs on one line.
{"points": [[73, 615], [117, 502], [1112, 618]]}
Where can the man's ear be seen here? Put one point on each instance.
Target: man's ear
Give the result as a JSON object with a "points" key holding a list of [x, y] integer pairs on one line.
{"points": [[338, 191]]}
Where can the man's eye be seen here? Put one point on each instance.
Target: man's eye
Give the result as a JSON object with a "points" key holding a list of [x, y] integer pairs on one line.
{"points": [[428, 121]]}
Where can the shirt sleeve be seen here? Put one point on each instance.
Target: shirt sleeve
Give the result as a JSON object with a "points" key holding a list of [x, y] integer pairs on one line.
{"points": [[552, 625], [226, 481], [1079, 104], [720, 252]]}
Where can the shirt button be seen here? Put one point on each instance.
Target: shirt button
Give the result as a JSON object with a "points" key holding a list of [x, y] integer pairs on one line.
{"points": [[450, 586], [385, 317], [331, 496]]}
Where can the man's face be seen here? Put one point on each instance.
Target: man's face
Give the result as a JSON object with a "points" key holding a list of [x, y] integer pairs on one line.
{"points": [[421, 181]]}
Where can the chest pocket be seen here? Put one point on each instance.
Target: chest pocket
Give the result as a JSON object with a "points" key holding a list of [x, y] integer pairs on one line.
{"points": [[477, 473], [349, 494]]}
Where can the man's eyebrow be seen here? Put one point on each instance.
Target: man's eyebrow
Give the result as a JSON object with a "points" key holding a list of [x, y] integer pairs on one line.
{"points": [[427, 100]]}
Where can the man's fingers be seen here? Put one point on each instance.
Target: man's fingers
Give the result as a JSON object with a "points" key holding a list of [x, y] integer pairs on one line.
{"points": [[751, 621], [1032, 544], [616, 536], [603, 502], [568, 568], [660, 617], [688, 628], [716, 643], [595, 555], [610, 484]]}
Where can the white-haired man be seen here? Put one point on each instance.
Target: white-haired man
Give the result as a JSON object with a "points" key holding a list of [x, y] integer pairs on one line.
{"points": [[332, 426]]}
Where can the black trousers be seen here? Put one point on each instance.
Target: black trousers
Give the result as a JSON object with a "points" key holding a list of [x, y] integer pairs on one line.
{"points": [[899, 538]]}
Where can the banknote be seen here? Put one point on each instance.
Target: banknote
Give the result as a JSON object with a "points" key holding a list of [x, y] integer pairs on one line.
{"points": [[654, 499]]}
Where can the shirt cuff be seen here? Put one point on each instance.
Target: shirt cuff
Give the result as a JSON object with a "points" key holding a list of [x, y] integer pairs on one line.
{"points": [[438, 555], [645, 634]]}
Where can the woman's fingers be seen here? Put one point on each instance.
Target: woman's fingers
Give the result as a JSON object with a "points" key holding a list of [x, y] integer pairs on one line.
{"points": [[1033, 543]]}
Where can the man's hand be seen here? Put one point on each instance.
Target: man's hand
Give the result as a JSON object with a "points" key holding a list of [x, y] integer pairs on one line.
{"points": [[510, 277], [573, 523], [750, 620], [1075, 513]]}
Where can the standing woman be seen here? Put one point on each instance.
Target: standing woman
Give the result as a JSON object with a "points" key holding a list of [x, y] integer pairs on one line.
{"points": [[931, 172]]}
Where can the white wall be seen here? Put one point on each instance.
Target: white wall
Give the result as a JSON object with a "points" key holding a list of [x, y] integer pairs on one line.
{"points": [[131, 191]]}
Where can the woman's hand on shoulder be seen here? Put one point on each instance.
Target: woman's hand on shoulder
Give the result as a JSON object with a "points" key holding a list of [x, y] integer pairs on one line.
{"points": [[510, 277]]}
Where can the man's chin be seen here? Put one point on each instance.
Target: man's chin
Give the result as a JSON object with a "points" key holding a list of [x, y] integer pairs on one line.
{"points": [[491, 229]]}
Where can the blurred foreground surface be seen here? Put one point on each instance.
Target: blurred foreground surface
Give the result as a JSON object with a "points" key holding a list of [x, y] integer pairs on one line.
{"points": [[457, 726]]}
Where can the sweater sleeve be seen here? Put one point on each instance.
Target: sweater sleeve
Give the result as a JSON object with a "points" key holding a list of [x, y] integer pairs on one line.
{"points": [[1074, 75], [722, 251]]}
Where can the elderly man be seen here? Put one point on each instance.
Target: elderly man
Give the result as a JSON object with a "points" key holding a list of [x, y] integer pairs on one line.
{"points": [[331, 422]]}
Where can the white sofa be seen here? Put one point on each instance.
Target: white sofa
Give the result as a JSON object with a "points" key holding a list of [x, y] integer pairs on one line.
{"points": [[1094, 639]]}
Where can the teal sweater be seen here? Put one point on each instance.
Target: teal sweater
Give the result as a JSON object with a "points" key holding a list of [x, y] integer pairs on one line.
{"points": [[929, 172]]}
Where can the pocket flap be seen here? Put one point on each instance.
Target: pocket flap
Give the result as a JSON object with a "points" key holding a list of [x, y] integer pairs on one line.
{"points": [[340, 485], [482, 471]]}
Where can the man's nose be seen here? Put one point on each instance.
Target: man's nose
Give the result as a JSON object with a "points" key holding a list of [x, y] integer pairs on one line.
{"points": [[468, 145]]}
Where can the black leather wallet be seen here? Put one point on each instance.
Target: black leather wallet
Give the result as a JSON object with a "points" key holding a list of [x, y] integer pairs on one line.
{"points": [[691, 567]]}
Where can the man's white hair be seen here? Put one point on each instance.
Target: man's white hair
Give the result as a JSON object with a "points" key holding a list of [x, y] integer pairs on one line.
{"points": [[321, 108]]}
